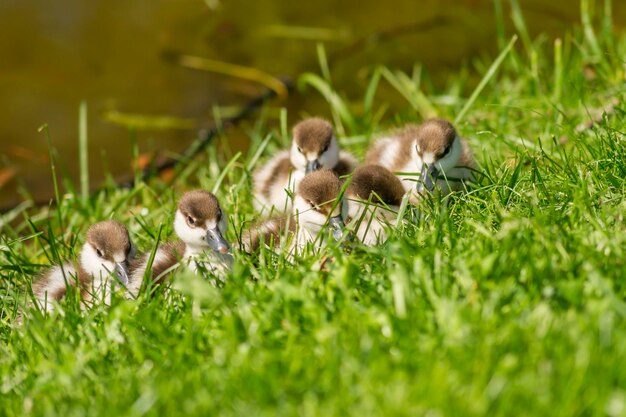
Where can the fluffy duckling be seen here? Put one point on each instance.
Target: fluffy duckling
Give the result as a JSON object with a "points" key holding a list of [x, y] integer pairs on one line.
{"points": [[374, 197], [434, 149], [200, 225], [107, 251], [314, 147], [315, 207]]}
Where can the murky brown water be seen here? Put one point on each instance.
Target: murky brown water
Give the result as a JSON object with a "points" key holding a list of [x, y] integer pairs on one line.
{"points": [[113, 54]]}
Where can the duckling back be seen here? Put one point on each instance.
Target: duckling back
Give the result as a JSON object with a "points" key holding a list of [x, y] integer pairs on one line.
{"points": [[274, 181], [267, 232], [165, 259]]}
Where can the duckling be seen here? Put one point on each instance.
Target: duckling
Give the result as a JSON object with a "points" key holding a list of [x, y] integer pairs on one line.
{"points": [[434, 149], [200, 225], [314, 147], [315, 207], [374, 197], [107, 251]]}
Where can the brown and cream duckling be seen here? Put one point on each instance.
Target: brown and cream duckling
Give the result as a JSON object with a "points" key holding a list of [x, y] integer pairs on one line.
{"points": [[315, 207], [314, 147], [200, 225], [374, 197], [108, 251], [433, 149]]}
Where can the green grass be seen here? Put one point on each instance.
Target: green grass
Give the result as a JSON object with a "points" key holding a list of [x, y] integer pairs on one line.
{"points": [[508, 301]]}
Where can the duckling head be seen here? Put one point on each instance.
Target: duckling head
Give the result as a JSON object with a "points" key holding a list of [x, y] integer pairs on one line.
{"points": [[376, 183], [108, 249], [200, 221], [437, 149], [315, 204], [314, 146]]}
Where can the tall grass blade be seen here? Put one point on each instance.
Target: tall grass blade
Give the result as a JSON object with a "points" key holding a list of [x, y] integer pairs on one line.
{"points": [[590, 35], [55, 182], [323, 61], [491, 72], [520, 25], [225, 171], [341, 112], [558, 69], [370, 93], [410, 89], [500, 28], [237, 71], [83, 152]]}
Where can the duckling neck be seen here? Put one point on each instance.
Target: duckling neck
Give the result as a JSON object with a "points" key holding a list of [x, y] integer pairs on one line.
{"points": [[202, 257], [192, 251], [305, 235]]}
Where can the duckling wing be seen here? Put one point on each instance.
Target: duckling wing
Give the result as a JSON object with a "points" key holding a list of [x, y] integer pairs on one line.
{"points": [[266, 232], [52, 285], [166, 256], [391, 152], [467, 162], [271, 180]]}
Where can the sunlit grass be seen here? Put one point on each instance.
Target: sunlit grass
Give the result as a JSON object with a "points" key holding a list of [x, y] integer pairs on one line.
{"points": [[509, 300]]}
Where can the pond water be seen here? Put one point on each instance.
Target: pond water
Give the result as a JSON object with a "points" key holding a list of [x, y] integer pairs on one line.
{"points": [[117, 56]]}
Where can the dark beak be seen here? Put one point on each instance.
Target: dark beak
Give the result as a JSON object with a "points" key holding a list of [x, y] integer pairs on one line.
{"points": [[313, 165], [216, 241], [337, 226], [428, 176], [121, 270]]}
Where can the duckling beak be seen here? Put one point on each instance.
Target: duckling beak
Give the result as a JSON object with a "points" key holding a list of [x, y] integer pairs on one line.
{"points": [[313, 165], [121, 271], [216, 241], [428, 176], [337, 226]]}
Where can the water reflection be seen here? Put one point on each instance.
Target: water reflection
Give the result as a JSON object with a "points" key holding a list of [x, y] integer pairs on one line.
{"points": [[115, 55]]}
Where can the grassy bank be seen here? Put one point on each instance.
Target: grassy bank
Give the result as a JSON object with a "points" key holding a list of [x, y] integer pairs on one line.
{"points": [[509, 301]]}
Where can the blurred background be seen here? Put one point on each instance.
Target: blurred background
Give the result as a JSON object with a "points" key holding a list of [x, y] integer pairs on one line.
{"points": [[124, 60]]}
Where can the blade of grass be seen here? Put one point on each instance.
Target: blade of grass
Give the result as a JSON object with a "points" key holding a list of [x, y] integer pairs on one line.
{"points": [[590, 36], [148, 273], [410, 89], [500, 28], [306, 33], [149, 122], [284, 131], [323, 61], [520, 25], [237, 71], [558, 69], [370, 93], [340, 111], [225, 171], [83, 152], [57, 195], [134, 149], [607, 21], [491, 72]]}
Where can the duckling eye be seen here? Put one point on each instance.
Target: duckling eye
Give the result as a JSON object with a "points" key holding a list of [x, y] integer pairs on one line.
{"points": [[325, 147], [446, 151], [312, 205], [300, 149], [99, 253], [191, 221]]}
